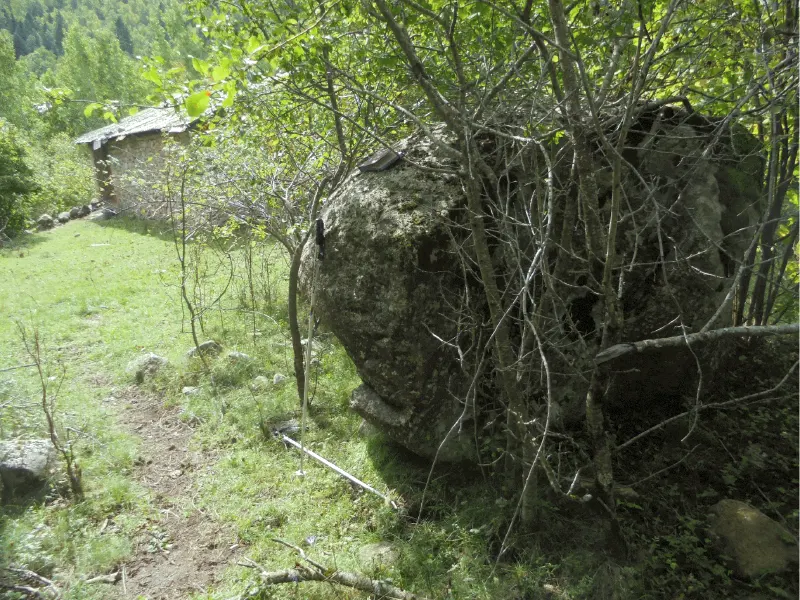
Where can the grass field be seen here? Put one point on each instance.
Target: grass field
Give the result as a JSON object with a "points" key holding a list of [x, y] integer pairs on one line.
{"points": [[184, 486], [102, 294]]}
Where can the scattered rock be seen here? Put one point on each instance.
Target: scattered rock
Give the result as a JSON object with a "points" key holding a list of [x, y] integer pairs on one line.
{"points": [[26, 465], [289, 427], [209, 347], [259, 383], [190, 391], [74, 212], [756, 544], [146, 366], [84, 211], [45, 222], [379, 554], [278, 379], [63, 217], [240, 357]]}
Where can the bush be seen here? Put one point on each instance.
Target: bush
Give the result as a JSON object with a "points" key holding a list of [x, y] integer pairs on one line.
{"points": [[16, 182], [64, 175]]}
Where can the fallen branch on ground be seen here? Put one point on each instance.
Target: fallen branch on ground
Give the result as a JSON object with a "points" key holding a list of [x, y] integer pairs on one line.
{"points": [[110, 578], [50, 589], [300, 573], [17, 367], [619, 350]]}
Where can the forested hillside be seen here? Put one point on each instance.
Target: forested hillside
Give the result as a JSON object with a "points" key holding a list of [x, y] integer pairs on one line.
{"points": [[56, 58], [142, 27]]}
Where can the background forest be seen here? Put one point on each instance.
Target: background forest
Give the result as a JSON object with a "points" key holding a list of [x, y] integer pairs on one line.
{"points": [[58, 57]]}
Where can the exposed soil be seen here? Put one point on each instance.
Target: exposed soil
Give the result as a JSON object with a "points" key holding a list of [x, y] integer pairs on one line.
{"points": [[183, 550]]}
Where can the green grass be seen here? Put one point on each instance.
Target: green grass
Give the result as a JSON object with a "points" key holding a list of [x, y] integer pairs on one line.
{"points": [[102, 294], [92, 294]]}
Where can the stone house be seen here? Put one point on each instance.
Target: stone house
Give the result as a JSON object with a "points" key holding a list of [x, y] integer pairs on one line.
{"points": [[129, 157]]}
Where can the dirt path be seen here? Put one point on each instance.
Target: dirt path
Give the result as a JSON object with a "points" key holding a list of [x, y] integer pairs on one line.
{"points": [[183, 550]]}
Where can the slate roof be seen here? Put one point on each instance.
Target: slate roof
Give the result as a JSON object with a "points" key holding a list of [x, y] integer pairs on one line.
{"points": [[166, 120]]}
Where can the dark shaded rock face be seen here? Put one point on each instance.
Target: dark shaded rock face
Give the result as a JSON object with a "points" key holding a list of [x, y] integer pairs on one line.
{"points": [[382, 289], [392, 285]]}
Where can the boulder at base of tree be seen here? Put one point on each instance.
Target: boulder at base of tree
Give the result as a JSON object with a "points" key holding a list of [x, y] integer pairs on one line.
{"points": [[400, 289], [209, 347], [26, 465], [756, 544]]}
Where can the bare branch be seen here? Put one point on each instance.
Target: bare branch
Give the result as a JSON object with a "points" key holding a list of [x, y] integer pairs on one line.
{"points": [[693, 338], [380, 589]]}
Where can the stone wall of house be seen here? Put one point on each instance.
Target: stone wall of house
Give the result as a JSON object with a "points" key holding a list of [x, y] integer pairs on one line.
{"points": [[137, 165]]}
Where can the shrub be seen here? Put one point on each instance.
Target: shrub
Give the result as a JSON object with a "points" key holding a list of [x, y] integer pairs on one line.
{"points": [[63, 173], [16, 182]]}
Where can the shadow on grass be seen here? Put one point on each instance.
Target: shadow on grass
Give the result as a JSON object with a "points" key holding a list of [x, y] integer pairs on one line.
{"points": [[22, 242], [155, 228]]}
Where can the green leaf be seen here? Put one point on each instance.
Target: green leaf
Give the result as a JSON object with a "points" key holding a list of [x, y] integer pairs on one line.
{"points": [[200, 66], [230, 89], [133, 110], [109, 116], [197, 103], [253, 44], [90, 108], [151, 74], [220, 72]]}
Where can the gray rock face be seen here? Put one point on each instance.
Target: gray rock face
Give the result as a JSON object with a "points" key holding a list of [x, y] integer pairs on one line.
{"points": [[146, 366], [238, 357], [260, 383], [391, 284], [63, 217], [278, 379], [379, 554], [757, 544], [45, 222], [210, 347], [26, 465], [84, 211], [75, 212], [383, 289]]}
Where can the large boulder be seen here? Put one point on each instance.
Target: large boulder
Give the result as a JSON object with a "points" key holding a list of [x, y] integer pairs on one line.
{"points": [[75, 212], [26, 465], [63, 217], [398, 271], [756, 544]]}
